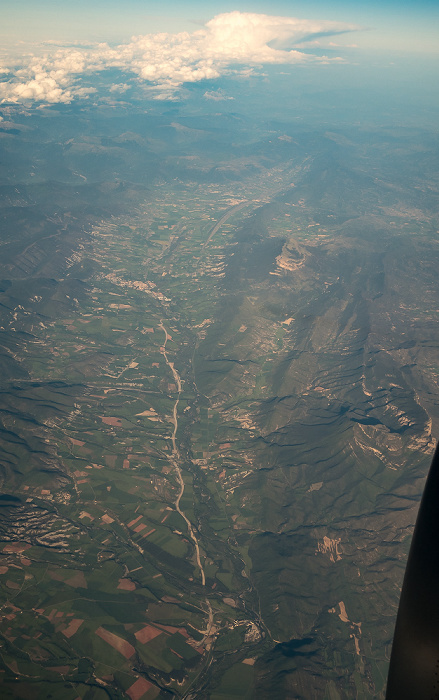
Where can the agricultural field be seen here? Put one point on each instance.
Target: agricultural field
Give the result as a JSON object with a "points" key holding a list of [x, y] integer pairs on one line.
{"points": [[218, 401]]}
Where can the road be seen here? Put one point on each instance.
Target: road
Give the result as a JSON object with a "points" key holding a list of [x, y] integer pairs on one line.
{"points": [[174, 460]]}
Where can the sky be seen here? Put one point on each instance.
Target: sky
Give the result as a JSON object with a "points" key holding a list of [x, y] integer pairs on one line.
{"points": [[405, 24], [54, 51]]}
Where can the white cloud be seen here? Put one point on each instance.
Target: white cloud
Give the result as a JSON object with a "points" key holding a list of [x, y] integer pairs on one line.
{"points": [[229, 43], [120, 87], [216, 95]]}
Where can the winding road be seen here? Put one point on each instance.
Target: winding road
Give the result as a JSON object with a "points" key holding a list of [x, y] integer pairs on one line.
{"points": [[174, 458]]}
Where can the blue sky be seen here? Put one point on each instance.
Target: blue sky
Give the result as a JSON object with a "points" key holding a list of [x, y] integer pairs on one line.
{"points": [[405, 25], [57, 51]]}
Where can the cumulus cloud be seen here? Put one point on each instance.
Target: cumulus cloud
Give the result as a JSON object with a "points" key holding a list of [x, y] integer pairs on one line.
{"points": [[229, 43], [216, 95], [52, 78], [120, 87]]}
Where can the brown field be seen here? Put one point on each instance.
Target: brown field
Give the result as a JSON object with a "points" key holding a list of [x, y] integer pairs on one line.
{"points": [[149, 533], [78, 443], [59, 669], [72, 628], [125, 584], [16, 547], [77, 581], [121, 645], [107, 519], [139, 688], [168, 628], [146, 634], [111, 420]]}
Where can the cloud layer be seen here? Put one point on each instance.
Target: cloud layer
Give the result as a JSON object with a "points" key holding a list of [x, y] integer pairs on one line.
{"points": [[163, 62]]}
